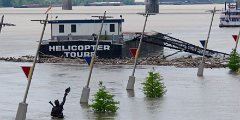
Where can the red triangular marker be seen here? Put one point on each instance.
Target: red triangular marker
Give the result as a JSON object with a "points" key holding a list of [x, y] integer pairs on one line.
{"points": [[26, 70], [235, 37], [133, 51]]}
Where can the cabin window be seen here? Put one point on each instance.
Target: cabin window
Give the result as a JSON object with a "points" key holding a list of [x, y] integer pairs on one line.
{"points": [[61, 28], [73, 28], [112, 27]]}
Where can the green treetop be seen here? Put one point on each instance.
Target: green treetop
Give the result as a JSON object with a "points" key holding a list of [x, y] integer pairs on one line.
{"points": [[103, 101], [234, 61], [153, 86]]}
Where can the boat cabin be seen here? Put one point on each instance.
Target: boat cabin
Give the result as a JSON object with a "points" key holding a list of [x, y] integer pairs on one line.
{"points": [[230, 15], [86, 29]]}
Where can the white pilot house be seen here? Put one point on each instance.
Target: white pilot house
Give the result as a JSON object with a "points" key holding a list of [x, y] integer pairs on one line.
{"points": [[86, 29]]}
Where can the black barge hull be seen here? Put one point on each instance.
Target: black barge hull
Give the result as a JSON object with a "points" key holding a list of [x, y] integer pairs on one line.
{"points": [[80, 49]]}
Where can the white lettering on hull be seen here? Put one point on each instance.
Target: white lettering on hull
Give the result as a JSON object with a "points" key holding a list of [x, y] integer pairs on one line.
{"points": [[78, 48], [78, 54], [74, 51], [106, 47], [65, 48], [51, 48]]}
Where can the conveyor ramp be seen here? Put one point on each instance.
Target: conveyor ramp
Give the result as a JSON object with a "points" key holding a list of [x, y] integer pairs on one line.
{"points": [[174, 43]]}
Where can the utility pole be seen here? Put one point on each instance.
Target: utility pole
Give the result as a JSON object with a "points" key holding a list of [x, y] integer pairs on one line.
{"points": [[201, 66], [86, 90], [22, 108], [131, 80]]}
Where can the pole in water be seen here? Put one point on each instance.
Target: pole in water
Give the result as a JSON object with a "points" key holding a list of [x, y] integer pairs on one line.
{"points": [[86, 90], [1, 24], [131, 80], [235, 49], [22, 108], [201, 65]]}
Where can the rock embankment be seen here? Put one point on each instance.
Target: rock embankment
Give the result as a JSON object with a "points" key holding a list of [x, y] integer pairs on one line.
{"points": [[178, 62]]}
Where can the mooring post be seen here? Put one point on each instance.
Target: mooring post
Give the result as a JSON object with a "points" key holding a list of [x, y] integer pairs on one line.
{"points": [[86, 90], [131, 80], [67, 5], [152, 6], [1, 24], [201, 65], [22, 108]]}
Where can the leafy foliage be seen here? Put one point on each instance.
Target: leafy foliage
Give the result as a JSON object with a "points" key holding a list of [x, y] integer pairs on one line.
{"points": [[153, 87], [234, 61], [103, 101]]}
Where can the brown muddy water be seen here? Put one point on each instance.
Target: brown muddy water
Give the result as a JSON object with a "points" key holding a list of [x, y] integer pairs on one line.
{"points": [[216, 96]]}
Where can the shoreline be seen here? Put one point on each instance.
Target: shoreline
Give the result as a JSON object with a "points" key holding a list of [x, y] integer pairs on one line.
{"points": [[181, 62]]}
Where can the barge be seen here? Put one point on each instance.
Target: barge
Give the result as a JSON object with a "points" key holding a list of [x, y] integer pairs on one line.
{"points": [[77, 38], [230, 15]]}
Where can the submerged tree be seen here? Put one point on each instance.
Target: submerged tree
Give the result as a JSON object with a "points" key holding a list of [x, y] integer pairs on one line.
{"points": [[153, 86], [234, 61], [103, 101]]}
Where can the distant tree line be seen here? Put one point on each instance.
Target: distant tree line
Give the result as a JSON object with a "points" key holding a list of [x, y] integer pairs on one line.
{"points": [[12, 3]]}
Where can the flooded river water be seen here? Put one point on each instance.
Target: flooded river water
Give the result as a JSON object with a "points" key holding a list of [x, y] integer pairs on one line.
{"points": [[216, 96]]}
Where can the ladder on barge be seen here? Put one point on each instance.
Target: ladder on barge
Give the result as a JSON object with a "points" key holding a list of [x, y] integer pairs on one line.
{"points": [[177, 44]]}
